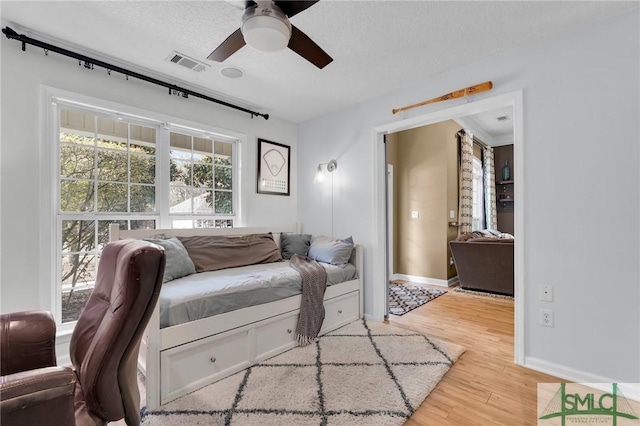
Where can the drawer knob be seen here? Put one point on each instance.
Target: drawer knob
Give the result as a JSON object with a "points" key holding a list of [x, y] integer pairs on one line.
{"points": [[212, 359], [339, 311], [289, 331]]}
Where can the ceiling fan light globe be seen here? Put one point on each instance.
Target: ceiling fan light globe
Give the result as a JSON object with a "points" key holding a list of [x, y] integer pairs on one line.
{"points": [[266, 33]]}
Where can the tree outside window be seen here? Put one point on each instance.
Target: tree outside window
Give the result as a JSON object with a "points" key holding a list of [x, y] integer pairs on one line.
{"points": [[107, 174]]}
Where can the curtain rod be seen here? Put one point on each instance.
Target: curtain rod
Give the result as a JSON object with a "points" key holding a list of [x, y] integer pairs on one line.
{"points": [[476, 140], [90, 62]]}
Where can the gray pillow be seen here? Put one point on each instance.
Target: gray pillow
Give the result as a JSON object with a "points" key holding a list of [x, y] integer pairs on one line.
{"points": [[291, 244], [178, 263], [331, 250], [348, 240]]}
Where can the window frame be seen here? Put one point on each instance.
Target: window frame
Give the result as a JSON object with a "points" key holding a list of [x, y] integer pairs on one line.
{"points": [[50, 216], [235, 177], [95, 214]]}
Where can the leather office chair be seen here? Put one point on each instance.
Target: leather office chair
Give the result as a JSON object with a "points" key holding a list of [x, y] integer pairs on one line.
{"points": [[102, 385]]}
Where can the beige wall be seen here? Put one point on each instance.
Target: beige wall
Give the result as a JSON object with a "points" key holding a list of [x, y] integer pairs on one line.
{"points": [[425, 177]]}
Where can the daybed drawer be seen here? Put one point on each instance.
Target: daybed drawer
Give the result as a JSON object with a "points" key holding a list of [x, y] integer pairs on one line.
{"points": [[194, 365], [275, 336], [340, 311]]}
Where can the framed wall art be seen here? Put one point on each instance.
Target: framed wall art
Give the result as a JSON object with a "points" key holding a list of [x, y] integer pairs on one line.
{"points": [[274, 167]]}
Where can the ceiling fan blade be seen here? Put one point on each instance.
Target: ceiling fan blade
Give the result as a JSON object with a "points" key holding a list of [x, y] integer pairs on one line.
{"points": [[305, 47], [228, 47], [291, 8]]}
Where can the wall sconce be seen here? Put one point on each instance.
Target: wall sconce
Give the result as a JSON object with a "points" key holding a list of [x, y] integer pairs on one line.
{"points": [[331, 166]]}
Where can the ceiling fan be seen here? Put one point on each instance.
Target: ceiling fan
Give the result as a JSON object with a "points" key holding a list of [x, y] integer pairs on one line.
{"points": [[266, 27]]}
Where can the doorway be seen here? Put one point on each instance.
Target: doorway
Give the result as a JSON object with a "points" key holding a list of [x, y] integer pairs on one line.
{"points": [[379, 251]]}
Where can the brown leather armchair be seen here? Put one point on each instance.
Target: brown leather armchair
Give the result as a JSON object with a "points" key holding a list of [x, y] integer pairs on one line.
{"points": [[102, 385]]}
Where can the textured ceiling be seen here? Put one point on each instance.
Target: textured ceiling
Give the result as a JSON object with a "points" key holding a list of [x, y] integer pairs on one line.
{"points": [[377, 46]]}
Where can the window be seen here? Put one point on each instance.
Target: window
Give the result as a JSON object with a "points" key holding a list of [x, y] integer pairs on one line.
{"points": [[107, 172], [141, 174], [478, 195], [200, 181]]}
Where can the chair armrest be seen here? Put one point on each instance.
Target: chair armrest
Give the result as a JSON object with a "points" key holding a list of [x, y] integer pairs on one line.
{"points": [[27, 341], [38, 396]]}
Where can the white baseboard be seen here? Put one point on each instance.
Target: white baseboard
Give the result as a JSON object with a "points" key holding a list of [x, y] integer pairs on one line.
{"points": [[426, 280], [632, 390], [371, 318]]}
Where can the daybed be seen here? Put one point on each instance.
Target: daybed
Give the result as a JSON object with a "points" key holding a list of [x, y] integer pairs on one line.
{"points": [[192, 342], [484, 263]]}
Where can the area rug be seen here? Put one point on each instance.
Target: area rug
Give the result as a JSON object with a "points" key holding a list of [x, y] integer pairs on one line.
{"points": [[365, 373], [406, 297], [483, 293]]}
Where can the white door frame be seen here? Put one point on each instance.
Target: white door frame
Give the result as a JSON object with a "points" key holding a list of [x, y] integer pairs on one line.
{"points": [[379, 170]]}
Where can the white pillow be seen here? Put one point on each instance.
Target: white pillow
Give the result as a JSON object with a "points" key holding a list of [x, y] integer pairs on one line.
{"points": [[331, 250]]}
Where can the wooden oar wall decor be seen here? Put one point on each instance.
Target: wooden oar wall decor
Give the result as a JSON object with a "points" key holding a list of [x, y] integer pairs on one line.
{"points": [[482, 87]]}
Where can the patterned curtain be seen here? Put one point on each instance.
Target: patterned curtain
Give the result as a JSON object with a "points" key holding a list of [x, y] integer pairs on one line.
{"points": [[490, 209], [465, 204]]}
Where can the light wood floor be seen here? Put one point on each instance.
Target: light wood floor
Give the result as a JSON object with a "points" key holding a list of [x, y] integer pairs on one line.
{"points": [[483, 387]]}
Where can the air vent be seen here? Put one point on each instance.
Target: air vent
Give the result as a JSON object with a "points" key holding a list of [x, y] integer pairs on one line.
{"points": [[185, 61], [502, 118]]}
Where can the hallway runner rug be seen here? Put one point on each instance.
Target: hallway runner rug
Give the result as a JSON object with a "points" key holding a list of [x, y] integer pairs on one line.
{"points": [[365, 373], [406, 297]]}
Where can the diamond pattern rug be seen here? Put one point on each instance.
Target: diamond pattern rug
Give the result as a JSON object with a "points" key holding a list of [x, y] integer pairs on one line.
{"points": [[406, 297], [365, 373]]}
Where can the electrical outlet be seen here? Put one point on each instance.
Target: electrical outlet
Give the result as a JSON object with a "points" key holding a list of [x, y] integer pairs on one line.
{"points": [[546, 317], [546, 293]]}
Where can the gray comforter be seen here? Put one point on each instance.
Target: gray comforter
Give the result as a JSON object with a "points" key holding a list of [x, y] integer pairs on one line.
{"points": [[206, 294]]}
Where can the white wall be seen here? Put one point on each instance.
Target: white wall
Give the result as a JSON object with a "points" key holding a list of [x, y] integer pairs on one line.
{"points": [[581, 103], [23, 73]]}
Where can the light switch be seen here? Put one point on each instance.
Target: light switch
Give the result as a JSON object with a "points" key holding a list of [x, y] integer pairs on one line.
{"points": [[415, 214], [546, 293], [452, 214]]}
